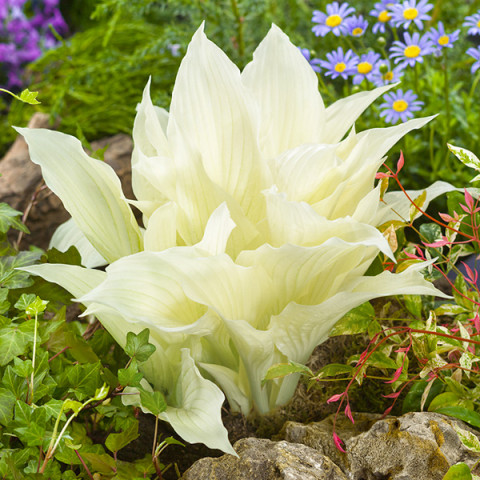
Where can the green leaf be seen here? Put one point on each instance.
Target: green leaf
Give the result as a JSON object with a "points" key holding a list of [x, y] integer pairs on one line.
{"points": [[354, 322], [13, 342], [467, 157], [283, 369], [116, 441], [7, 401], [137, 346], [445, 399], [82, 379], [69, 257], [380, 360], [450, 309], [9, 219], [24, 301], [9, 277], [333, 369], [26, 96], [130, 376], [4, 303], [72, 405], [469, 439], [100, 462], [413, 399], [153, 401], [431, 232], [413, 303], [459, 471], [462, 413]]}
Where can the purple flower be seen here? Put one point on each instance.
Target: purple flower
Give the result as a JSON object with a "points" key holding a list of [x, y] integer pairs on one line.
{"points": [[441, 39], [333, 21], [25, 36], [340, 64], [399, 106], [407, 12], [366, 66], [384, 74], [475, 53], [356, 26], [411, 50], [473, 21], [381, 13], [314, 62]]}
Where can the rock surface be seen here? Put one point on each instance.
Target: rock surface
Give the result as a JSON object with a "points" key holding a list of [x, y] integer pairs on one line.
{"points": [[419, 445], [262, 459]]}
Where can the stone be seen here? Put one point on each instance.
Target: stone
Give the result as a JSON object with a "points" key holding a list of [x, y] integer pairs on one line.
{"points": [[319, 435], [263, 459], [419, 445]]}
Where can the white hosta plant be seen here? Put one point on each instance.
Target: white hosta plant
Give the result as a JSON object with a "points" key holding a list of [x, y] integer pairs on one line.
{"points": [[260, 222]]}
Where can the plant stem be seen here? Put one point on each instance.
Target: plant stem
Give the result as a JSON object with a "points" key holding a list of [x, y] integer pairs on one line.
{"points": [[33, 357]]}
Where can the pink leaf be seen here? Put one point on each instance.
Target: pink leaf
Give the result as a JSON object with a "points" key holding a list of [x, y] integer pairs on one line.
{"points": [[400, 162], [464, 208], [379, 175], [438, 243], [348, 413], [338, 442], [471, 277], [396, 375], [335, 398], [476, 322], [468, 199], [446, 218], [392, 395]]}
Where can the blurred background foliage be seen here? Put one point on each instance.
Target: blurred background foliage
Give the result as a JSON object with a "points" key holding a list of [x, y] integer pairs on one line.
{"points": [[92, 82]]}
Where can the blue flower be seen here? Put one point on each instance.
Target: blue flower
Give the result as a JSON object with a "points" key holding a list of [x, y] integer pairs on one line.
{"points": [[356, 26], [384, 74], [383, 16], [333, 21], [407, 12], [314, 62], [475, 53], [366, 66], [340, 64], [399, 106], [411, 50], [441, 39], [473, 21]]}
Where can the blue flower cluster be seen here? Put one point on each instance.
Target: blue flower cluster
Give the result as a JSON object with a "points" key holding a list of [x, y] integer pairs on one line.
{"points": [[405, 52], [25, 34]]}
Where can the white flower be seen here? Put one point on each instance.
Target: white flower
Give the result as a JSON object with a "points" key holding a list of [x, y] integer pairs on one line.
{"points": [[260, 223]]}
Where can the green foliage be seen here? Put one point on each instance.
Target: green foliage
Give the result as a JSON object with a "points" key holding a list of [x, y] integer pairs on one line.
{"points": [[94, 79], [61, 384]]}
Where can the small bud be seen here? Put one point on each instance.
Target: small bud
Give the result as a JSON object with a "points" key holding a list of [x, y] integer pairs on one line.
{"points": [[381, 41], [383, 68], [356, 89]]}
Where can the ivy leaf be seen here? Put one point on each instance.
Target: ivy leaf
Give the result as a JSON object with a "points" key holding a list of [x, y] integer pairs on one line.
{"points": [[137, 346], [7, 401], [13, 342], [130, 376], [116, 441], [26, 96], [9, 219], [9, 277], [153, 401], [83, 380]]}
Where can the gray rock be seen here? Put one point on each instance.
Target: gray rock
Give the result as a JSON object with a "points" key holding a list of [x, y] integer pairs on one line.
{"points": [[417, 445], [262, 459], [319, 435]]}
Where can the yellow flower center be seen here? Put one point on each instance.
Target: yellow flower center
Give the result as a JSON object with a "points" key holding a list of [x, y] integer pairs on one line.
{"points": [[412, 51], [478, 24], [364, 67], [443, 40], [357, 31], [384, 16], [333, 21], [410, 13], [340, 67], [400, 105], [388, 76]]}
